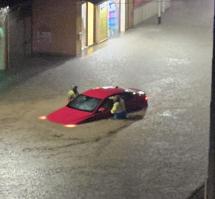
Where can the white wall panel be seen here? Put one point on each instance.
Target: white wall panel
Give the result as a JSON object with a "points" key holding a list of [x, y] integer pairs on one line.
{"points": [[147, 10]]}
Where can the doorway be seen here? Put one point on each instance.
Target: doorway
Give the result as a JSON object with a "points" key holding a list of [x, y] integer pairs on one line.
{"points": [[83, 25], [87, 16]]}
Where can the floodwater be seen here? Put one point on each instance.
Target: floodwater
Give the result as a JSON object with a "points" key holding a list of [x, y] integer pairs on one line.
{"points": [[160, 155]]}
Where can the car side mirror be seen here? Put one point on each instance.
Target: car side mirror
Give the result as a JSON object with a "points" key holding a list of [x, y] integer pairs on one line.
{"points": [[101, 109]]}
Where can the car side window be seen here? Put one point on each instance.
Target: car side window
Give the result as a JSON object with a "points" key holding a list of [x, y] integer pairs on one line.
{"points": [[107, 104]]}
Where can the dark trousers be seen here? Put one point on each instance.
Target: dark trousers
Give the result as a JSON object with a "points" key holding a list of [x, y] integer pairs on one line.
{"points": [[120, 115]]}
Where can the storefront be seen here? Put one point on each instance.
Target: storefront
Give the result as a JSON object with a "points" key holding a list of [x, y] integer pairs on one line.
{"points": [[109, 18], [113, 17], [102, 22]]}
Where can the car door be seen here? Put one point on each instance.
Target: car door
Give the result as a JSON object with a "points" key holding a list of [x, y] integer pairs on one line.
{"points": [[104, 110], [130, 99]]}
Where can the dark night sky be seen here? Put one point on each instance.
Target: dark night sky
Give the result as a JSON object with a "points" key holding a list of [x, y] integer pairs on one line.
{"points": [[12, 2], [15, 2]]}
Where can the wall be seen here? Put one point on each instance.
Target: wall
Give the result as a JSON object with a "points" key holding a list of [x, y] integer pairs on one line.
{"points": [[123, 16], [19, 36], [143, 11], [126, 14], [54, 27], [130, 11]]}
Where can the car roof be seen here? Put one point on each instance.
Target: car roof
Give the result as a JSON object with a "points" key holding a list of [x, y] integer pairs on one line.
{"points": [[103, 92]]}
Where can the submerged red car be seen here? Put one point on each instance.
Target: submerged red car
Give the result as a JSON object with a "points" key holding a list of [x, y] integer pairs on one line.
{"points": [[95, 104]]}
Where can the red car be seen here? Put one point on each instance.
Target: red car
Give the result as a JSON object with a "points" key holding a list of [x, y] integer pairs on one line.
{"points": [[96, 104]]}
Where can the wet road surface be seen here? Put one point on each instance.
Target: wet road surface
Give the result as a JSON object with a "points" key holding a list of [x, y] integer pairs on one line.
{"points": [[161, 156]]}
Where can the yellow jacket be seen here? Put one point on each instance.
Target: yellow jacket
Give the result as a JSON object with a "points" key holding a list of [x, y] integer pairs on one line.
{"points": [[118, 107], [71, 94]]}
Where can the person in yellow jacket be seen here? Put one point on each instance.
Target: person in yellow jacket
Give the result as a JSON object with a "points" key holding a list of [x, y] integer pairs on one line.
{"points": [[119, 109], [73, 93]]}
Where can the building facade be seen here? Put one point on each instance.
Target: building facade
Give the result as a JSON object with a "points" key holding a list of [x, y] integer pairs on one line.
{"points": [[55, 27], [103, 20], [67, 27], [15, 35], [19, 34]]}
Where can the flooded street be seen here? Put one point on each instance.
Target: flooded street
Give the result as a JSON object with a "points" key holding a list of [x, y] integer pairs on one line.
{"points": [[161, 155]]}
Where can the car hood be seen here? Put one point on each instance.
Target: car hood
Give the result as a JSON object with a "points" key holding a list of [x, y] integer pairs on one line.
{"points": [[68, 115]]}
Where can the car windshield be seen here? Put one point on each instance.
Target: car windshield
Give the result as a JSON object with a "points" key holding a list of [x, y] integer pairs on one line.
{"points": [[84, 103]]}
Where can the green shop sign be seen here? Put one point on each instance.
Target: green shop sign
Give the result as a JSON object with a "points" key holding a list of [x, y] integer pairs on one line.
{"points": [[3, 14], [2, 48]]}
